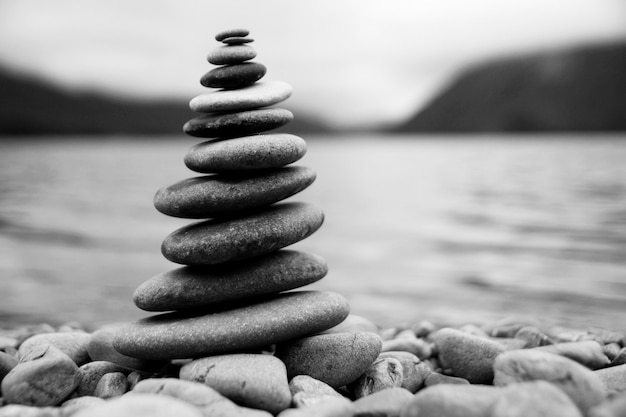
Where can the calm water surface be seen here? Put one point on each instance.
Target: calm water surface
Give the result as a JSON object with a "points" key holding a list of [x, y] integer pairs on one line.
{"points": [[447, 229]]}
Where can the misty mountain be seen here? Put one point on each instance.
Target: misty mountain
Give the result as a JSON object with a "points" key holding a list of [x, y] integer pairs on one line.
{"points": [[31, 106], [581, 89]]}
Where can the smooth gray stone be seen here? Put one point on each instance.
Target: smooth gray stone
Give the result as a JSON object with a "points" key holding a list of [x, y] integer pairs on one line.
{"points": [[217, 241], [236, 40], [335, 358], [226, 125], [192, 287], [252, 380], [100, 348], [388, 402], [613, 378], [275, 319], [257, 95], [245, 153], [92, 372], [234, 76], [537, 399], [383, 374], [231, 54], [306, 390], [111, 385], [224, 194], [136, 405], [453, 401], [73, 344], [229, 33]]}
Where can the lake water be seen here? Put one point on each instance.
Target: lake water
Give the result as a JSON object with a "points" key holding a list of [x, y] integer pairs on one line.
{"points": [[451, 229]]}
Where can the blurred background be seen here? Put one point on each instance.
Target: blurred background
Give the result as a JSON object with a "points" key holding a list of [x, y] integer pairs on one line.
{"points": [[470, 153]]}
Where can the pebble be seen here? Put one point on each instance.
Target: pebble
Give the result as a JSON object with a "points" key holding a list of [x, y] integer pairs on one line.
{"points": [[414, 371], [423, 328], [604, 336], [533, 337], [227, 125], [111, 385], [235, 40], [452, 401], [191, 287], [17, 410], [613, 379], [234, 76], [586, 352], [229, 33], [209, 401], [245, 153], [91, 373], [135, 404], [278, 318], [45, 380], [73, 405], [306, 390], [7, 362], [466, 356], [411, 344], [435, 378], [581, 384], [388, 402], [537, 398], [231, 54], [101, 348], [384, 373], [354, 323], [73, 344], [261, 94], [217, 241], [251, 380], [330, 407], [224, 194], [336, 358]]}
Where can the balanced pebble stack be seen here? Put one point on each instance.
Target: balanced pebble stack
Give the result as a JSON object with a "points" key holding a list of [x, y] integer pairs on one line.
{"points": [[231, 295]]}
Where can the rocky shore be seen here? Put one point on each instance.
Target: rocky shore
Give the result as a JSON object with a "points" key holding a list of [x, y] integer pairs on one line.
{"points": [[506, 368]]}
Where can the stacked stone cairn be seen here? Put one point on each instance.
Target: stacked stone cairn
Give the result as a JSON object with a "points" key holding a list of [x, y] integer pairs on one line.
{"points": [[241, 342]]}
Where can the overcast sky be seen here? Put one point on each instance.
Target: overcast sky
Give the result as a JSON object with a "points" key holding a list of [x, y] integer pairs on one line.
{"points": [[349, 61]]}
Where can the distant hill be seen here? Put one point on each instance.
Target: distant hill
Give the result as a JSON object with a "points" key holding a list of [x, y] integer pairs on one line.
{"points": [[30, 106], [575, 90]]}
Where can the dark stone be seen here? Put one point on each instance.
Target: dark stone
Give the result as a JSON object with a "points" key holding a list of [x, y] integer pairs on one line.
{"points": [[237, 124], [234, 76]]}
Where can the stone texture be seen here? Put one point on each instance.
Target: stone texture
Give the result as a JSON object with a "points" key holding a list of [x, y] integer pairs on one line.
{"points": [[306, 390], [452, 401], [388, 402], [225, 194], [101, 348], [537, 399], [210, 402], [235, 40], [231, 54], [586, 352], [245, 153], [229, 33], [47, 379], [384, 373], [234, 76], [135, 405], [414, 371], [257, 381], [467, 356], [613, 379], [336, 359], [226, 125], [257, 95], [273, 320], [217, 241], [91, 373], [112, 384], [73, 344], [580, 383], [192, 287]]}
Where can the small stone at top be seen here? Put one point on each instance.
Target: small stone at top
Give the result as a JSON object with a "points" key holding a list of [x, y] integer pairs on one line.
{"points": [[239, 32], [237, 40]]}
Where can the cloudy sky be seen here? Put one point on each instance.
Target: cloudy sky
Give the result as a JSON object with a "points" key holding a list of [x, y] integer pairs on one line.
{"points": [[352, 62]]}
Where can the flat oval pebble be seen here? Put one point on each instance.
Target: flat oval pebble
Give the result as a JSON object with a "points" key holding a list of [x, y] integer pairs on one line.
{"points": [[223, 194], [217, 241], [245, 153], [236, 40], [335, 358], [231, 54], [237, 124], [234, 76], [191, 287], [73, 344], [252, 380], [229, 33], [275, 319], [260, 94]]}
